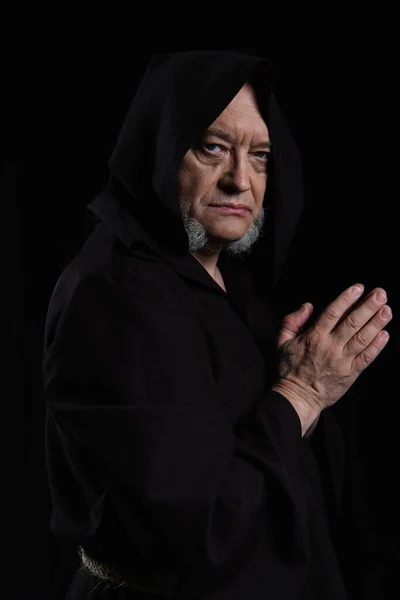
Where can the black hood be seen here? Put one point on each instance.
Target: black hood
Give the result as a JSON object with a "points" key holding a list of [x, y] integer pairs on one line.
{"points": [[180, 95]]}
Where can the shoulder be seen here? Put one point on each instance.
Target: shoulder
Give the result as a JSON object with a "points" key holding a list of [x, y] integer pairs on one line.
{"points": [[127, 288]]}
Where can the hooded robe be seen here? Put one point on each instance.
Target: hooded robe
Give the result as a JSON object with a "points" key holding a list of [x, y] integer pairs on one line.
{"points": [[172, 466]]}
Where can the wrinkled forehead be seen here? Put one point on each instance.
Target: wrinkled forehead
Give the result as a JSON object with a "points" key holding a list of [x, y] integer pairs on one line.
{"points": [[242, 117], [245, 99]]}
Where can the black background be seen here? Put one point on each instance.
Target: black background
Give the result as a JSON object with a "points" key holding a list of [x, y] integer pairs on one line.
{"points": [[342, 108]]}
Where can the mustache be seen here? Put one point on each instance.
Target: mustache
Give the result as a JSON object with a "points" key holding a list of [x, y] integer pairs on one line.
{"points": [[199, 239]]}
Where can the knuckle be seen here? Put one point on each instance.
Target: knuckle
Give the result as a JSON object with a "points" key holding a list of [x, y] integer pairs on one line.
{"points": [[312, 338], [331, 313], [369, 304], [366, 358], [349, 300], [378, 322], [360, 339], [288, 320], [352, 322], [332, 354]]}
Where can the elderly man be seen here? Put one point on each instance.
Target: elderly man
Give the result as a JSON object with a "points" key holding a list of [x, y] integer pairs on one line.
{"points": [[178, 415]]}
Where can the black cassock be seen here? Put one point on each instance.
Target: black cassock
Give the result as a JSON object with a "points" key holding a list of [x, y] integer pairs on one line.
{"points": [[172, 467]]}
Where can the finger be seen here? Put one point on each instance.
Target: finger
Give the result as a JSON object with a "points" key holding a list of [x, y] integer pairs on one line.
{"points": [[357, 318], [293, 323], [368, 355], [330, 317], [364, 336], [303, 314], [356, 305]]}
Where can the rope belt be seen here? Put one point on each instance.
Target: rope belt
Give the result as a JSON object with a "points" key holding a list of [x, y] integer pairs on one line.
{"points": [[111, 575]]}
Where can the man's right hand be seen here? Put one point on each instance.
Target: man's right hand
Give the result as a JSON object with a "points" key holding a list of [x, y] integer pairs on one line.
{"points": [[318, 365]]}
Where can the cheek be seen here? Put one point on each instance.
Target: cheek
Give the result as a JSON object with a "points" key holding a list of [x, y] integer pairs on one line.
{"points": [[259, 189], [196, 183], [184, 181]]}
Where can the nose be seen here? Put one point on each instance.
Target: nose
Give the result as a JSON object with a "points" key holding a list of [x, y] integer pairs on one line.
{"points": [[236, 178]]}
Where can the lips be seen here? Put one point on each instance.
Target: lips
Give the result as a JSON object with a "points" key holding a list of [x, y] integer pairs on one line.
{"points": [[233, 206]]}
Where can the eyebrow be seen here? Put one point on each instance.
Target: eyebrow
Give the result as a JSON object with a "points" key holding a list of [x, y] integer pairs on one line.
{"points": [[224, 135]]}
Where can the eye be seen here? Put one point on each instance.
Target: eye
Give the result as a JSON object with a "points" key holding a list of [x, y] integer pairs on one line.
{"points": [[212, 148], [261, 154]]}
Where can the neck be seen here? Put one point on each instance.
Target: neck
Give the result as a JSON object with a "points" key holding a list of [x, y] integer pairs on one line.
{"points": [[208, 261]]}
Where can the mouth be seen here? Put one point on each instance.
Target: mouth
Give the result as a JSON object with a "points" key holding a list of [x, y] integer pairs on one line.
{"points": [[234, 209]]}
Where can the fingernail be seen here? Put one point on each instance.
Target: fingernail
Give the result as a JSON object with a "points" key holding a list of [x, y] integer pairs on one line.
{"points": [[381, 297], [356, 290]]}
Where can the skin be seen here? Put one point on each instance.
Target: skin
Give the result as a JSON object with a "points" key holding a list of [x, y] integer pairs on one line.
{"points": [[320, 363], [218, 170]]}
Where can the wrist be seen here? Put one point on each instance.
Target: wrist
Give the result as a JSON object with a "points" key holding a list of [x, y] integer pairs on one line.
{"points": [[307, 412]]}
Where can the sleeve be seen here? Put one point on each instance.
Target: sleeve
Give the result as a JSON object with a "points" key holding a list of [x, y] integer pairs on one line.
{"points": [[140, 455]]}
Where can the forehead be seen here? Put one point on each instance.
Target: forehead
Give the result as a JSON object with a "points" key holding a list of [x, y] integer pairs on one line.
{"points": [[243, 116]]}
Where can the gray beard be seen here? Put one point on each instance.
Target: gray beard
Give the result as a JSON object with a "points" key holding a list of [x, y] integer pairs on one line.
{"points": [[200, 240]]}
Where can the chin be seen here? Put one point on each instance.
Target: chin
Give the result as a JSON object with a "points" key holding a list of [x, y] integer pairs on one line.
{"points": [[227, 234]]}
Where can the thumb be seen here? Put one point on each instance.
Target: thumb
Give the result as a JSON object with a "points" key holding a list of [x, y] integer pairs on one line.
{"points": [[293, 323]]}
